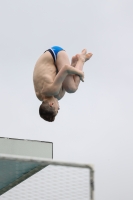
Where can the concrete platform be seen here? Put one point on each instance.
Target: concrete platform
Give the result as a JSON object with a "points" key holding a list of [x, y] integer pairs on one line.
{"points": [[13, 171]]}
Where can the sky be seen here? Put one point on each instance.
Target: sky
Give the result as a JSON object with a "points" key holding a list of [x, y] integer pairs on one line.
{"points": [[94, 125]]}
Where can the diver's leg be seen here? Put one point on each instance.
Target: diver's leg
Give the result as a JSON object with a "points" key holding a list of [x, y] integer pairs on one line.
{"points": [[74, 61], [71, 82]]}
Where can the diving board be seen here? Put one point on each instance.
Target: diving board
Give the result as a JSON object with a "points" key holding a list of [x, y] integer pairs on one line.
{"points": [[12, 171]]}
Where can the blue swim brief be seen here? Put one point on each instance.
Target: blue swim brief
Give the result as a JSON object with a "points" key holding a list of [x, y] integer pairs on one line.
{"points": [[54, 51]]}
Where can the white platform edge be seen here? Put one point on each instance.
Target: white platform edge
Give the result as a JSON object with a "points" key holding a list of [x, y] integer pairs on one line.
{"points": [[43, 163]]}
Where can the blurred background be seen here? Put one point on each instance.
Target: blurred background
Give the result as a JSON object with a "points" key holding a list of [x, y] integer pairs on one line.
{"points": [[94, 125]]}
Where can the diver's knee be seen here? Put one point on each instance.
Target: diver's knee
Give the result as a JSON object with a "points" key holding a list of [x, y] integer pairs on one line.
{"points": [[71, 89]]}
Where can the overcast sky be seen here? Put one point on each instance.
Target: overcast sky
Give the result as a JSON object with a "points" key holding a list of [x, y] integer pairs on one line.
{"points": [[94, 124]]}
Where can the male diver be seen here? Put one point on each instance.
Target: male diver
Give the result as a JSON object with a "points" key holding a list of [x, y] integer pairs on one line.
{"points": [[54, 75]]}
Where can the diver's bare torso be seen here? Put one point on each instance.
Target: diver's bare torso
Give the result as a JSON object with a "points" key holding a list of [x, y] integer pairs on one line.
{"points": [[49, 83], [44, 74]]}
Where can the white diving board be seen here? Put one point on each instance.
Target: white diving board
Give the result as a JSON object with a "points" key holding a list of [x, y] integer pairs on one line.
{"points": [[13, 171]]}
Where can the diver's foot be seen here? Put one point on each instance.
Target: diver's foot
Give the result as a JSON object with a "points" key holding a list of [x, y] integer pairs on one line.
{"points": [[84, 56], [88, 56]]}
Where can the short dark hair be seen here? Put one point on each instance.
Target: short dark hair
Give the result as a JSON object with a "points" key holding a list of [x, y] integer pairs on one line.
{"points": [[46, 112]]}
